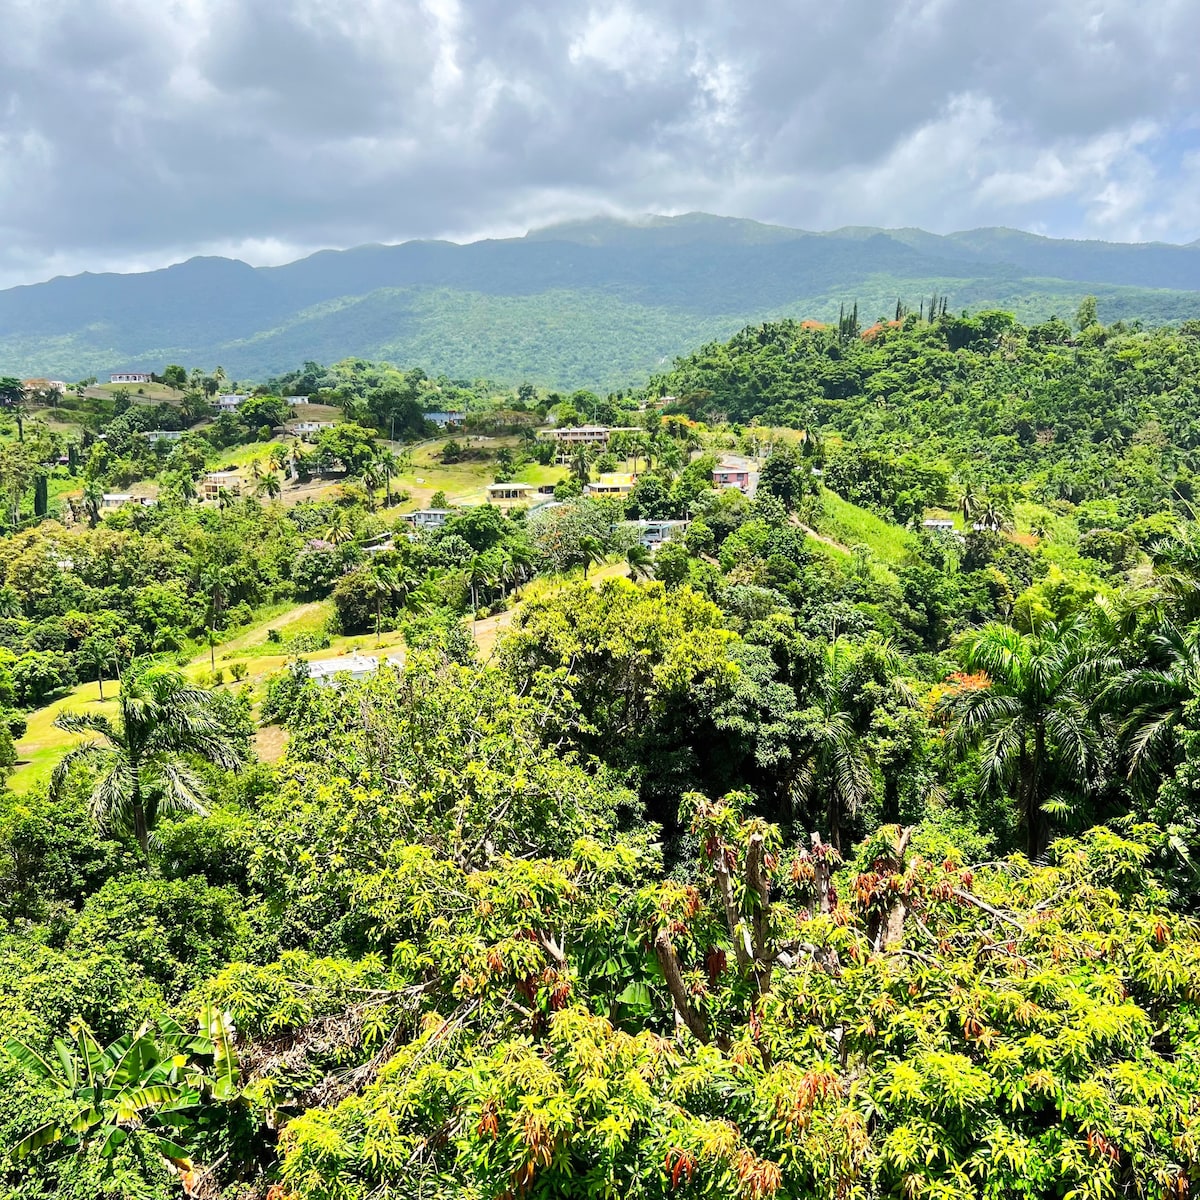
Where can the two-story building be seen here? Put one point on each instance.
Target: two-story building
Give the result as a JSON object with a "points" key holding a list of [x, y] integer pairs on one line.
{"points": [[611, 485], [216, 482], [428, 518]]}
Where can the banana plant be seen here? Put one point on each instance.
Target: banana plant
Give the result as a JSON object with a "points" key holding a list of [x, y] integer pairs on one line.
{"points": [[153, 1079]]}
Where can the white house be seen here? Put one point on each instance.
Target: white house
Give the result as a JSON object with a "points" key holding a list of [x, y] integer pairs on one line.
{"points": [[356, 666], [232, 402], [428, 518], [163, 435], [129, 377], [937, 523], [443, 420], [303, 427], [112, 500], [652, 534], [294, 400], [509, 491]]}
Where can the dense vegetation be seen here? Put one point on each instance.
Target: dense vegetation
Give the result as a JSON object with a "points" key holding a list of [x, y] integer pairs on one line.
{"points": [[810, 855], [1103, 414], [593, 304]]}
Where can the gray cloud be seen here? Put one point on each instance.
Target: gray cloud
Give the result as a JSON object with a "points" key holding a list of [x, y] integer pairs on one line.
{"points": [[136, 132]]}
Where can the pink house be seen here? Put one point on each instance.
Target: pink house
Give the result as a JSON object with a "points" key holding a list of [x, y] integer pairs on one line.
{"points": [[737, 477]]}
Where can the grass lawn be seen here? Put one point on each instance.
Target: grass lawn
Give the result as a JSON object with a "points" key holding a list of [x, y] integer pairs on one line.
{"points": [[851, 525]]}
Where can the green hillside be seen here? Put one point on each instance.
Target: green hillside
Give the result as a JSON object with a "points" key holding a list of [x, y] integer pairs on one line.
{"points": [[599, 303]]}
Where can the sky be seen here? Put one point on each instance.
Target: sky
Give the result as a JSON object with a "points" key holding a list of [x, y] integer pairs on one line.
{"points": [[136, 133]]}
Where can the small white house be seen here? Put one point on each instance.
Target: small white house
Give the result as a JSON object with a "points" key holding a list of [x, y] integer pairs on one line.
{"points": [[428, 518], [231, 402], [294, 400], [942, 523], [444, 420], [356, 666], [163, 435], [129, 377], [509, 491], [309, 427], [111, 500]]}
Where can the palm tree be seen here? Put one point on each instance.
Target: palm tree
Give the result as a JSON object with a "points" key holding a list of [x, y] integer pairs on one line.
{"points": [[93, 498], [270, 486], [968, 502], [256, 468], [591, 553], [1027, 716], [640, 562], [520, 554], [140, 759], [479, 575], [1149, 700], [278, 456], [215, 580], [994, 517], [340, 529], [834, 758], [372, 478], [380, 581], [389, 465], [581, 465]]}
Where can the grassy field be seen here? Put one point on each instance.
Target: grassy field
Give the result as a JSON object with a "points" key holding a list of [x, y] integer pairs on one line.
{"points": [[850, 525]]}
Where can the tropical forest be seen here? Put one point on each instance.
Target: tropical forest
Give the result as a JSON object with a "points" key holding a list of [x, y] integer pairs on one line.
{"points": [[777, 779]]}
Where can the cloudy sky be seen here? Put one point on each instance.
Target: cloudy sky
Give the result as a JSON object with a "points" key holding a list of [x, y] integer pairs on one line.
{"points": [[134, 133]]}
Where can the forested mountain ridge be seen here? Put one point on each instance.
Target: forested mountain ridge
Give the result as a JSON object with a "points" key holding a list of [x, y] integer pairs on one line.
{"points": [[596, 303]]}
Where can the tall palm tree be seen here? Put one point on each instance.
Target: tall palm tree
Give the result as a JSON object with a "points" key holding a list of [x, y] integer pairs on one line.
{"points": [[381, 582], [270, 486], [639, 561], [479, 575], [372, 479], [581, 465], [1028, 717], [216, 581], [389, 466], [968, 502], [520, 554], [277, 456], [140, 758], [591, 553]]}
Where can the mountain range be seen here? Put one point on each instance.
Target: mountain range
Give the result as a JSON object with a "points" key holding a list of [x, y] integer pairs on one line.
{"points": [[597, 303]]}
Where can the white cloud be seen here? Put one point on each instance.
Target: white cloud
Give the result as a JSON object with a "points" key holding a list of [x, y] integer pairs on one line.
{"points": [[135, 131]]}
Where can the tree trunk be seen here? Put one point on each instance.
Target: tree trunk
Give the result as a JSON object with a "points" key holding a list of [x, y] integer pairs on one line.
{"points": [[139, 817], [1039, 833]]}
